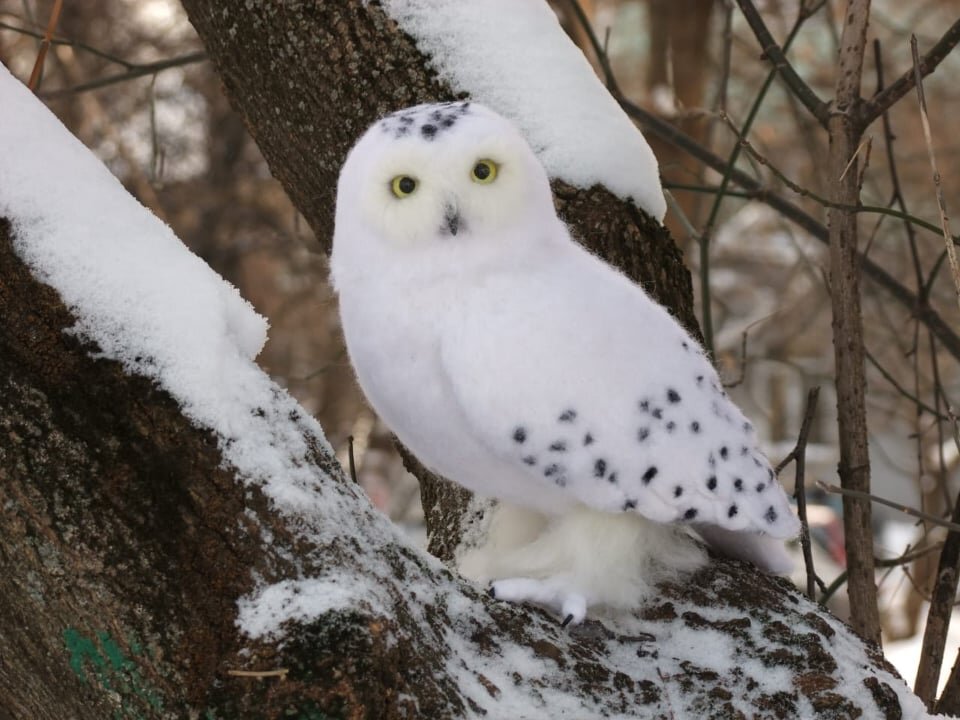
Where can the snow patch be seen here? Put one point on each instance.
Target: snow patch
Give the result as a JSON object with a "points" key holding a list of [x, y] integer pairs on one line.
{"points": [[146, 301], [263, 614], [513, 56]]}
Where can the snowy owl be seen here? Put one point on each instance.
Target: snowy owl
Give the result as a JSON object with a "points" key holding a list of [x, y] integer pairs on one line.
{"points": [[514, 362]]}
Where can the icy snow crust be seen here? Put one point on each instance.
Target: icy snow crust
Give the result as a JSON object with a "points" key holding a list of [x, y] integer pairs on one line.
{"points": [[513, 56], [149, 303]]}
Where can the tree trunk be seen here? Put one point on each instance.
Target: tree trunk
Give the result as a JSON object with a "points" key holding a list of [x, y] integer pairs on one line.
{"points": [[126, 545], [851, 378]]}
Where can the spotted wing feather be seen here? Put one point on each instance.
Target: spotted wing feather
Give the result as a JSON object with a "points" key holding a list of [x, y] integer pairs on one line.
{"points": [[604, 395]]}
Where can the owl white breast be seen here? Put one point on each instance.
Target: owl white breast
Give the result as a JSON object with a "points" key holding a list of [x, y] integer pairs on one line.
{"points": [[514, 362]]}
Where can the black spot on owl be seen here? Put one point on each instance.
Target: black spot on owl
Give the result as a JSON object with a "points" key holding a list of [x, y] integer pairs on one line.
{"points": [[732, 511], [671, 426], [520, 435], [738, 484], [644, 405], [599, 468], [613, 477], [761, 487], [724, 453], [567, 416], [677, 491], [770, 515], [428, 131], [650, 474], [629, 505], [529, 460], [551, 470], [657, 413], [694, 427], [690, 514], [588, 439], [712, 482], [558, 446], [643, 433], [673, 396]]}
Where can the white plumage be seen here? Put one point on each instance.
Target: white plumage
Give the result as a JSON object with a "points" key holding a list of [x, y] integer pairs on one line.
{"points": [[514, 362]]}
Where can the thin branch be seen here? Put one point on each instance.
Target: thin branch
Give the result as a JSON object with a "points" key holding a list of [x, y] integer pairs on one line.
{"points": [[907, 557], [772, 52], [75, 44], [925, 122], [609, 78], [922, 310], [353, 463], [705, 237], [34, 82], [837, 490], [907, 218], [873, 108], [820, 200], [900, 389], [135, 72], [799, 456]]}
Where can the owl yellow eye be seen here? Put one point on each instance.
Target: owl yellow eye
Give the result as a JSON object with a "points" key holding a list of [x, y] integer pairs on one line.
{"points": [[484, 172], [403, 186]]}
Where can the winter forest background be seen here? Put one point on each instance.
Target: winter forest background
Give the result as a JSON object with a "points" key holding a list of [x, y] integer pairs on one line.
{"points": [[131, 79]]}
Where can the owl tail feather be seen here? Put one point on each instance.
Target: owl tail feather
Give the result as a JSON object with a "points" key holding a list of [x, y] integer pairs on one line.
{"points": [[767, 553]]}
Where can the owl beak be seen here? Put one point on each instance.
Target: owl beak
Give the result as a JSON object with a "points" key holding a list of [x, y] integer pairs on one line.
{"points": [[452, 220]]}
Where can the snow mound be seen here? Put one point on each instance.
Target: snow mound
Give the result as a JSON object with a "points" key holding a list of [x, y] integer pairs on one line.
{"points": [[513, 56], [145, 300]]}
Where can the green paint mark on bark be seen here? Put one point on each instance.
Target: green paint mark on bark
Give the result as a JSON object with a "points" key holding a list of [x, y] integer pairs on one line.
{"points": [[103, 663]]}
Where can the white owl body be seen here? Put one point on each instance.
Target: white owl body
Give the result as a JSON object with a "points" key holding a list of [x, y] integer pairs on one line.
{"points": [[511, 360]]}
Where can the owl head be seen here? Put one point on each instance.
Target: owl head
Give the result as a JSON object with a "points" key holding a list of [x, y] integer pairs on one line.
{"points": [[440, 179]]}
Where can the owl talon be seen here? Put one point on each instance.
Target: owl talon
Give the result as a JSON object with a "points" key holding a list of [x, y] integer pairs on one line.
{"points": [[551, 593]]}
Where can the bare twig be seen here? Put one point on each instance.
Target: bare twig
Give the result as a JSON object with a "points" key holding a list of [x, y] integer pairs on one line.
{"points": [[902, 390], [904, 559], [799, 457], [353, 463], [34, 82], [705, 237], [927, 517], [75, 44], [134, 72], [925, 122], [772, 52], [923, 311], [260, 674], [884, 99]]}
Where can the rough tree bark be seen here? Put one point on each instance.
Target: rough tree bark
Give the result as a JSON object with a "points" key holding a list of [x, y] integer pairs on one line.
{"points": [[844, 173], [125, 544]]}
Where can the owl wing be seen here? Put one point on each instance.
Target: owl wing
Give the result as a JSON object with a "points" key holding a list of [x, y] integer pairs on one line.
{"points": [[603, 395]]}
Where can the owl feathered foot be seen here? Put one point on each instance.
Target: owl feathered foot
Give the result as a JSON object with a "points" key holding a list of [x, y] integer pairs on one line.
{"points": [[552, 593]]}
